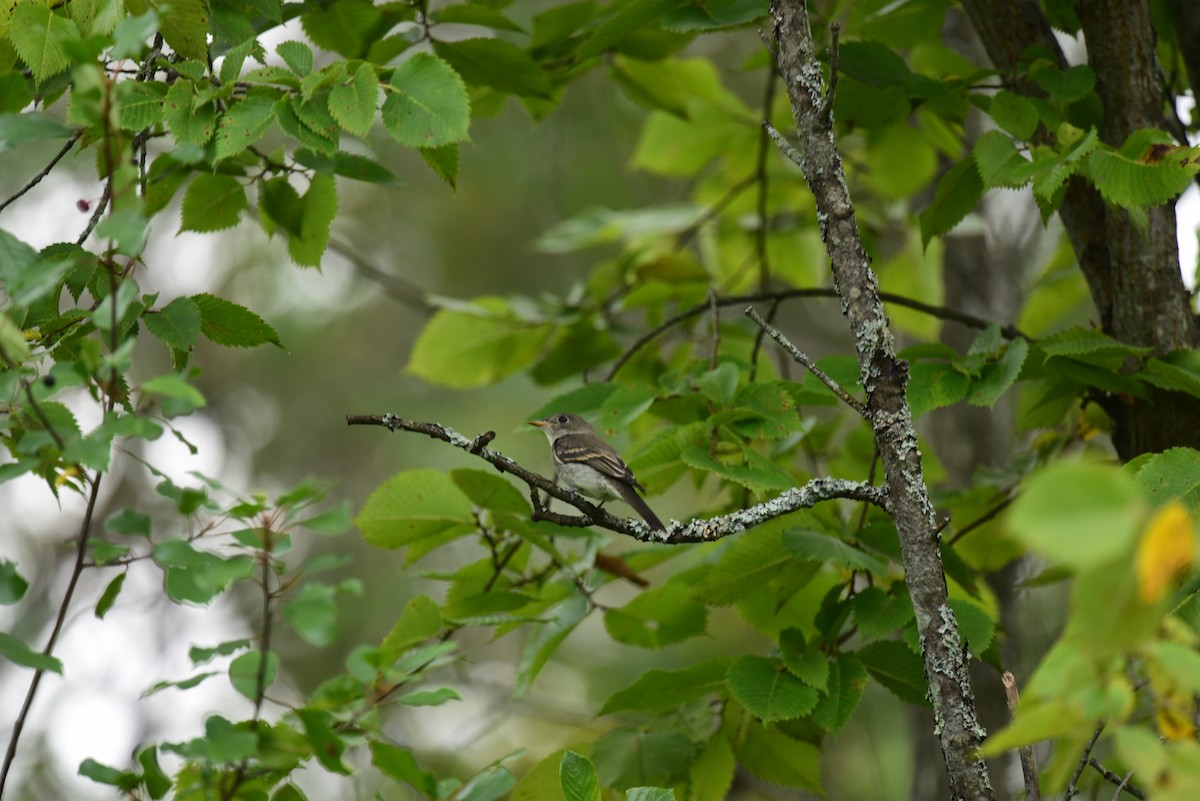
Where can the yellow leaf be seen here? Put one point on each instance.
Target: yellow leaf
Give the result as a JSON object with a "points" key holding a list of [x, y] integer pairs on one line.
{"points": [[1175, 723], [1167, 549]]}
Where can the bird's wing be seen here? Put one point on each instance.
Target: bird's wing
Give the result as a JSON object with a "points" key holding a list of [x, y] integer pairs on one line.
{"points": [[573, 449]]}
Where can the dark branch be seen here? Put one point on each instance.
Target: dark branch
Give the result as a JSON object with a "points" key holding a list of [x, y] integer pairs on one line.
{"points": [[1033, 791], [37, 179], [698, 530], [1121, 783]]}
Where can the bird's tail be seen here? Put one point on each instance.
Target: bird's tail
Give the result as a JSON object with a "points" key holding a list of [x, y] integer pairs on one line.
{"points": [[630, 496]]}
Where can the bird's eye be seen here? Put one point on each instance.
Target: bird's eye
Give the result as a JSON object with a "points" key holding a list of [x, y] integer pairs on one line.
{"points": [[562, 418]]}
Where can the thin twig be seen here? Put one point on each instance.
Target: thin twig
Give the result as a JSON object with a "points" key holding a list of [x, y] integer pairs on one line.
{"points": [[987, 516], [785, 147], [941, 312], [687, 234], [697, 530], [1072, 790], [1122, 784], [407, 293], [715, 348], [96, 215], [81, 548], [835, 31], [1033, 791], [802, 358], [35, 180]]}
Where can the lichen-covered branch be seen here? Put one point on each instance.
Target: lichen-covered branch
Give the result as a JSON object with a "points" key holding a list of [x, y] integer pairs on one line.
{"points": [[884, 377], [698, 530]]}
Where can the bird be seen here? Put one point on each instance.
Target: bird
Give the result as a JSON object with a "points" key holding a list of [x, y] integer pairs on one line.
{"points": [[587, 464]]}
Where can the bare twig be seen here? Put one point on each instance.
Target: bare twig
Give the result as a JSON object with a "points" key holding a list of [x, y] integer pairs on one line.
{"points": [[1033, 791], [785, 147], [1072, 790], [101, 206], [698, 530], [802, 358], [37, 179], [687, 234], [1121, 783], [941, 312], [81, 547], [835, 30], [987, 516], [1124, 783]]}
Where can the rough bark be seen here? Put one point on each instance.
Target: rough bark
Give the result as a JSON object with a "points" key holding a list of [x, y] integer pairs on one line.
{"points": [[1133, 276], [884, 379], [1185, 14]]}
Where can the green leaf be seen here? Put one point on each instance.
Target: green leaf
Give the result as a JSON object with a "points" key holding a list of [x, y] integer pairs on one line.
{"points": [[1014, 113], [157, 783], [933, 385], [177, 324], [1079, 514], [847, 682], [999, 376], [190, 122], [42, 38], [751, 559], [632, 16], [129, 521], [297, 55], [185, 398], [578, 778], [103, 774], [999, 163], [488, 785], [353, 103], [420, 620], [490, 491], [328, 746], [976, 628], [243, 124], [343, 27], [958, 192], [443, 161], [1133, 181], [898, 669], [227, 323], [12, 584], [428, 106], [200, 655], [657, 618], [650, 794], [806, 662], [664, 690], [757, 472], [109, 596], [312, 613], [349, 165], [626, 758], [463, 350], [475, 14], [712, 773], [766, 688], [183, 23], [413, 506], [879, 613], [318, 208], [17, 129], [544, 640], [776, 758], [817, 547], [495, 63], [212, 203], [198, 576], [244, 672], [872, 63], [400, 764], [21, 654], [141, 104], [429, 697], [1064, 86], [719, 385]]}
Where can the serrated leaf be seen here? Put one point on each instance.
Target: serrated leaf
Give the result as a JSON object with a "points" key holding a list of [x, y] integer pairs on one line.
{"points": [[898, 669], [497, 64], [461, 350], [190, 122], [814, 546], [226, 323], [657, 618], [879, 613], [1131, 182], [999, 376], [353, 103], [626, 758], [776, 758], [412, 506], [957, 194], [544, 640], [318, 207], [847, 682], [752, 559], [766, 688], [141, 104], [663, 690], [212, 203], [933, 385], [1014, 113], [177, 324], [297, 55], [349, 165], [578, 778], [243, 124], [443, 161], [428, 105], [42, 38], [806, 662], [999, 163], [183, 23]]}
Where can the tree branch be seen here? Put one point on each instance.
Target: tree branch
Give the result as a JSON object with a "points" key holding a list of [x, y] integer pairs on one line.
{"points": [[884, 378], [37, 179], [697, 530], [941, 312], [1121, 783], [1033, 791], [1072, 790], [803, 359]]}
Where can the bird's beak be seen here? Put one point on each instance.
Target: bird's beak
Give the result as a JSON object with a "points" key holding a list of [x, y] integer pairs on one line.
{"points": [[538, 423]]}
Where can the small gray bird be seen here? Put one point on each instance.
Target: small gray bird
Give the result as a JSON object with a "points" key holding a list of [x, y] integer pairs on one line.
{"points": [[587, 464]]}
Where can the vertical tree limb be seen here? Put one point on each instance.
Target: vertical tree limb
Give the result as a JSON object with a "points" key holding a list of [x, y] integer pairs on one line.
{"points": [[884, 378]]}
